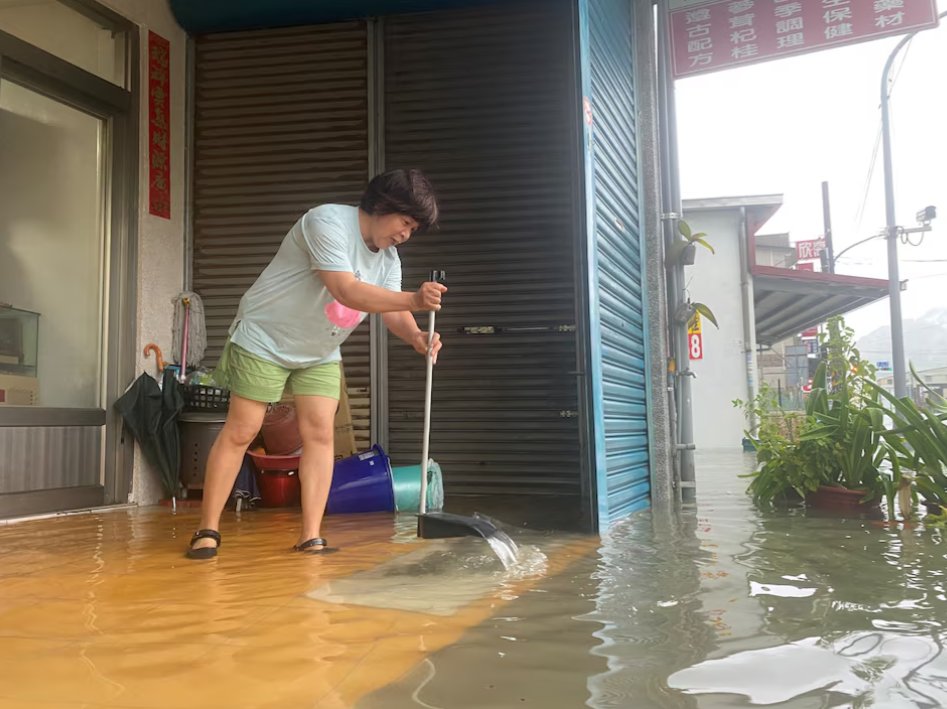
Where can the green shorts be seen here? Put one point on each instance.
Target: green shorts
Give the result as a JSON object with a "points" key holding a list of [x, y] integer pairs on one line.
{"points": [[251, 377]]}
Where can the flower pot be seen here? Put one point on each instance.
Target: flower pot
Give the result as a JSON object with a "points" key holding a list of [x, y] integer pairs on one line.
{"points": [[278, 488], [281, 431], [838, 498], [689, 255]]}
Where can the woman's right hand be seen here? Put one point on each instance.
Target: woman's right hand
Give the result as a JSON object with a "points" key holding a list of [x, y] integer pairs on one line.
{"points": [[428, 297]]}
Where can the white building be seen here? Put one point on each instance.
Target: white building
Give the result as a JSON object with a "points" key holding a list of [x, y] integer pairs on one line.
{"points": [[759, 301]]}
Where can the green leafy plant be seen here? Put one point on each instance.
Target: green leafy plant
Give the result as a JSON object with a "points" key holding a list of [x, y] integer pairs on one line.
{"points": [[687, 241], [682, 252], [789, 468], [917, 443], [852, 423], [688, 310], [840, 442]]}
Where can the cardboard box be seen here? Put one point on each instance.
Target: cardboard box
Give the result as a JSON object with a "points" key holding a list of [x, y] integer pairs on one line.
{"points": [[18, 391], [344, 430]]}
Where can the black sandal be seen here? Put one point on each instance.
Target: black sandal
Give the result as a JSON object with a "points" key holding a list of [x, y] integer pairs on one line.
{"points": [[317, 542], [204, 552]]}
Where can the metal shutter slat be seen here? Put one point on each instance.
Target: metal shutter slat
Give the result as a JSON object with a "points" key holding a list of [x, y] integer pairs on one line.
{"points": [[479, 100], [281, 125]]}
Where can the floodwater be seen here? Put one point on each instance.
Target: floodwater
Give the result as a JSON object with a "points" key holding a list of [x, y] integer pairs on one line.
{"points": [[716, 607]]}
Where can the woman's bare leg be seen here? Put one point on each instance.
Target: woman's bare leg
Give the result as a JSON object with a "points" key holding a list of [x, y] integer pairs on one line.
{"points": [[244, 421], [317, 427]]}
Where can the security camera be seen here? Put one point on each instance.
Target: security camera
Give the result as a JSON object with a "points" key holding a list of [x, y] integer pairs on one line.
{"points": [[927, 215]]}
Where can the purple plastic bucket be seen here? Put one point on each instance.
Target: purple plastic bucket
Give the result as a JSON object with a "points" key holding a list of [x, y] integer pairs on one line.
{"points": [[362, 484]]}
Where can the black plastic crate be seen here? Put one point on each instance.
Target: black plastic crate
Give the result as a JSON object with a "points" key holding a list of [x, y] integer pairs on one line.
{"points": [[205, 398]]}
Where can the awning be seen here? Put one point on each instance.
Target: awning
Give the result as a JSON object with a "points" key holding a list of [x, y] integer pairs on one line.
{"points": [[207, 16], [790, 301]]}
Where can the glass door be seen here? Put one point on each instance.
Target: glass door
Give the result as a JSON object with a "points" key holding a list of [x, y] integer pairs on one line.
{"points": [[53, 243]]}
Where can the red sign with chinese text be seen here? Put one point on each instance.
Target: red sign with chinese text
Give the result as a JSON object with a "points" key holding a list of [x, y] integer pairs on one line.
{"points": [[721, 35], [159, 126], [809, 250], [810, 333]]}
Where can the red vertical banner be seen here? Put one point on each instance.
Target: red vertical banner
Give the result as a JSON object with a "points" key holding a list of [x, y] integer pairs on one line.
{"points": [[159, 125]]}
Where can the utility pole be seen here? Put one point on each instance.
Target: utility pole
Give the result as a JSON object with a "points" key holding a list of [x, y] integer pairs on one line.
{"points": [[893, 235], [827, 222], [893, 232]]}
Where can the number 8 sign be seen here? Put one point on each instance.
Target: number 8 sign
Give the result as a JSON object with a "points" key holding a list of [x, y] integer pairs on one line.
{"points": [[696, 345], [695, 340]]}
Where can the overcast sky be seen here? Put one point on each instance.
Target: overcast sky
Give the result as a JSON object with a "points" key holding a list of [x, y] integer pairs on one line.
{"points": [[785, 126]]}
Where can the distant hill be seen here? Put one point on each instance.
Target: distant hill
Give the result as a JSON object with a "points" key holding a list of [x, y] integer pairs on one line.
{"points": [[925, 341]]}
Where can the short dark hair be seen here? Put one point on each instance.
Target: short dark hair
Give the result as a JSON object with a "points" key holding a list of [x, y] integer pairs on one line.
{"points": [[406, 192]]}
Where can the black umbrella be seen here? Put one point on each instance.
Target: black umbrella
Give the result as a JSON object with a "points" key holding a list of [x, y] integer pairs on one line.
{"points": [[151, 414]]}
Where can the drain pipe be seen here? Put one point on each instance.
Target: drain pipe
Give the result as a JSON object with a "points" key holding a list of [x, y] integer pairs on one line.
{"points": [[190, 78], [669, 228], [749, 313], [671, 208]]}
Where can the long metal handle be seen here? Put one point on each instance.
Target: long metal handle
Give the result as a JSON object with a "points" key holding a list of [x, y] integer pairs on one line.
{"points": [[425, 449], [187, 326]]}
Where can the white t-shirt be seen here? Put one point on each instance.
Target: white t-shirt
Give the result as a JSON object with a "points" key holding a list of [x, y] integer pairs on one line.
{"points": [[288, 316]]}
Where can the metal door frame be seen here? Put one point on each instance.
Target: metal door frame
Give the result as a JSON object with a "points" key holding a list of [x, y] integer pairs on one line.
{"points": [[46, 74]]}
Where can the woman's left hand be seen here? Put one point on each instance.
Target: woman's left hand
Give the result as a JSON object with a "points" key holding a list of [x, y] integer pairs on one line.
{"points": [[420, 344]]}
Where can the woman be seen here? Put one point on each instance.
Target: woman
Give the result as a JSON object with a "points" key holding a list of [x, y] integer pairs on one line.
{"points": [[337, 264]]}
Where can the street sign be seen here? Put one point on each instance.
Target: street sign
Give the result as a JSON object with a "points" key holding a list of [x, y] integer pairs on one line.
{"points": [[695, 338], [723, 34], [809, 250], [883, 366], [796, 358]]}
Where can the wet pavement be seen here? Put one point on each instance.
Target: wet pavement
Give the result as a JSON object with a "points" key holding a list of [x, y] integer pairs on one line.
{"points": [[716, 607]]}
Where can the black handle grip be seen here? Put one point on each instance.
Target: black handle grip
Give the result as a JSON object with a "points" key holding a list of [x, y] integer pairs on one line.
{"points": [[438, 276]]}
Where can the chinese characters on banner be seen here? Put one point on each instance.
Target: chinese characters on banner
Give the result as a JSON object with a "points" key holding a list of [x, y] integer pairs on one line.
{"points": [[727, 33], [809, 250], [695, 339], [159, 125]]}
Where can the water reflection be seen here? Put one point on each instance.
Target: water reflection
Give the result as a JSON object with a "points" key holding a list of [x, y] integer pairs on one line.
{"points": [[717, 607], [851, 614], [650, 608]]}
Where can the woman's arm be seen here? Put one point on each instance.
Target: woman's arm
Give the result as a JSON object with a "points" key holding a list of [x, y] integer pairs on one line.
{"points": [[367, 298], [403, 326]]}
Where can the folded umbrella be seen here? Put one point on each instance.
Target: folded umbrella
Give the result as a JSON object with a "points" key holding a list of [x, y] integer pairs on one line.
{"points": [[151, 415]]}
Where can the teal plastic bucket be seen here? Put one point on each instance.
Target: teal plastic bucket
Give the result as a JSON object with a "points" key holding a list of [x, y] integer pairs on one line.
{"points": [[407, 484]]}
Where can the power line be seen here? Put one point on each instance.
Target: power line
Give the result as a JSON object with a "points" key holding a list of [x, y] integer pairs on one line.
{"points": [[860, 213], [929, 275]]}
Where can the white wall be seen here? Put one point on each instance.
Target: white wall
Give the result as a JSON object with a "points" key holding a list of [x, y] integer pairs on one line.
{"points": [[161, 241], [722, 373]]}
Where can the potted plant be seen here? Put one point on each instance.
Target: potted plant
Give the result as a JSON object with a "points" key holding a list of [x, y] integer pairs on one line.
{"points": [[684, 250], [833, 454]]}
